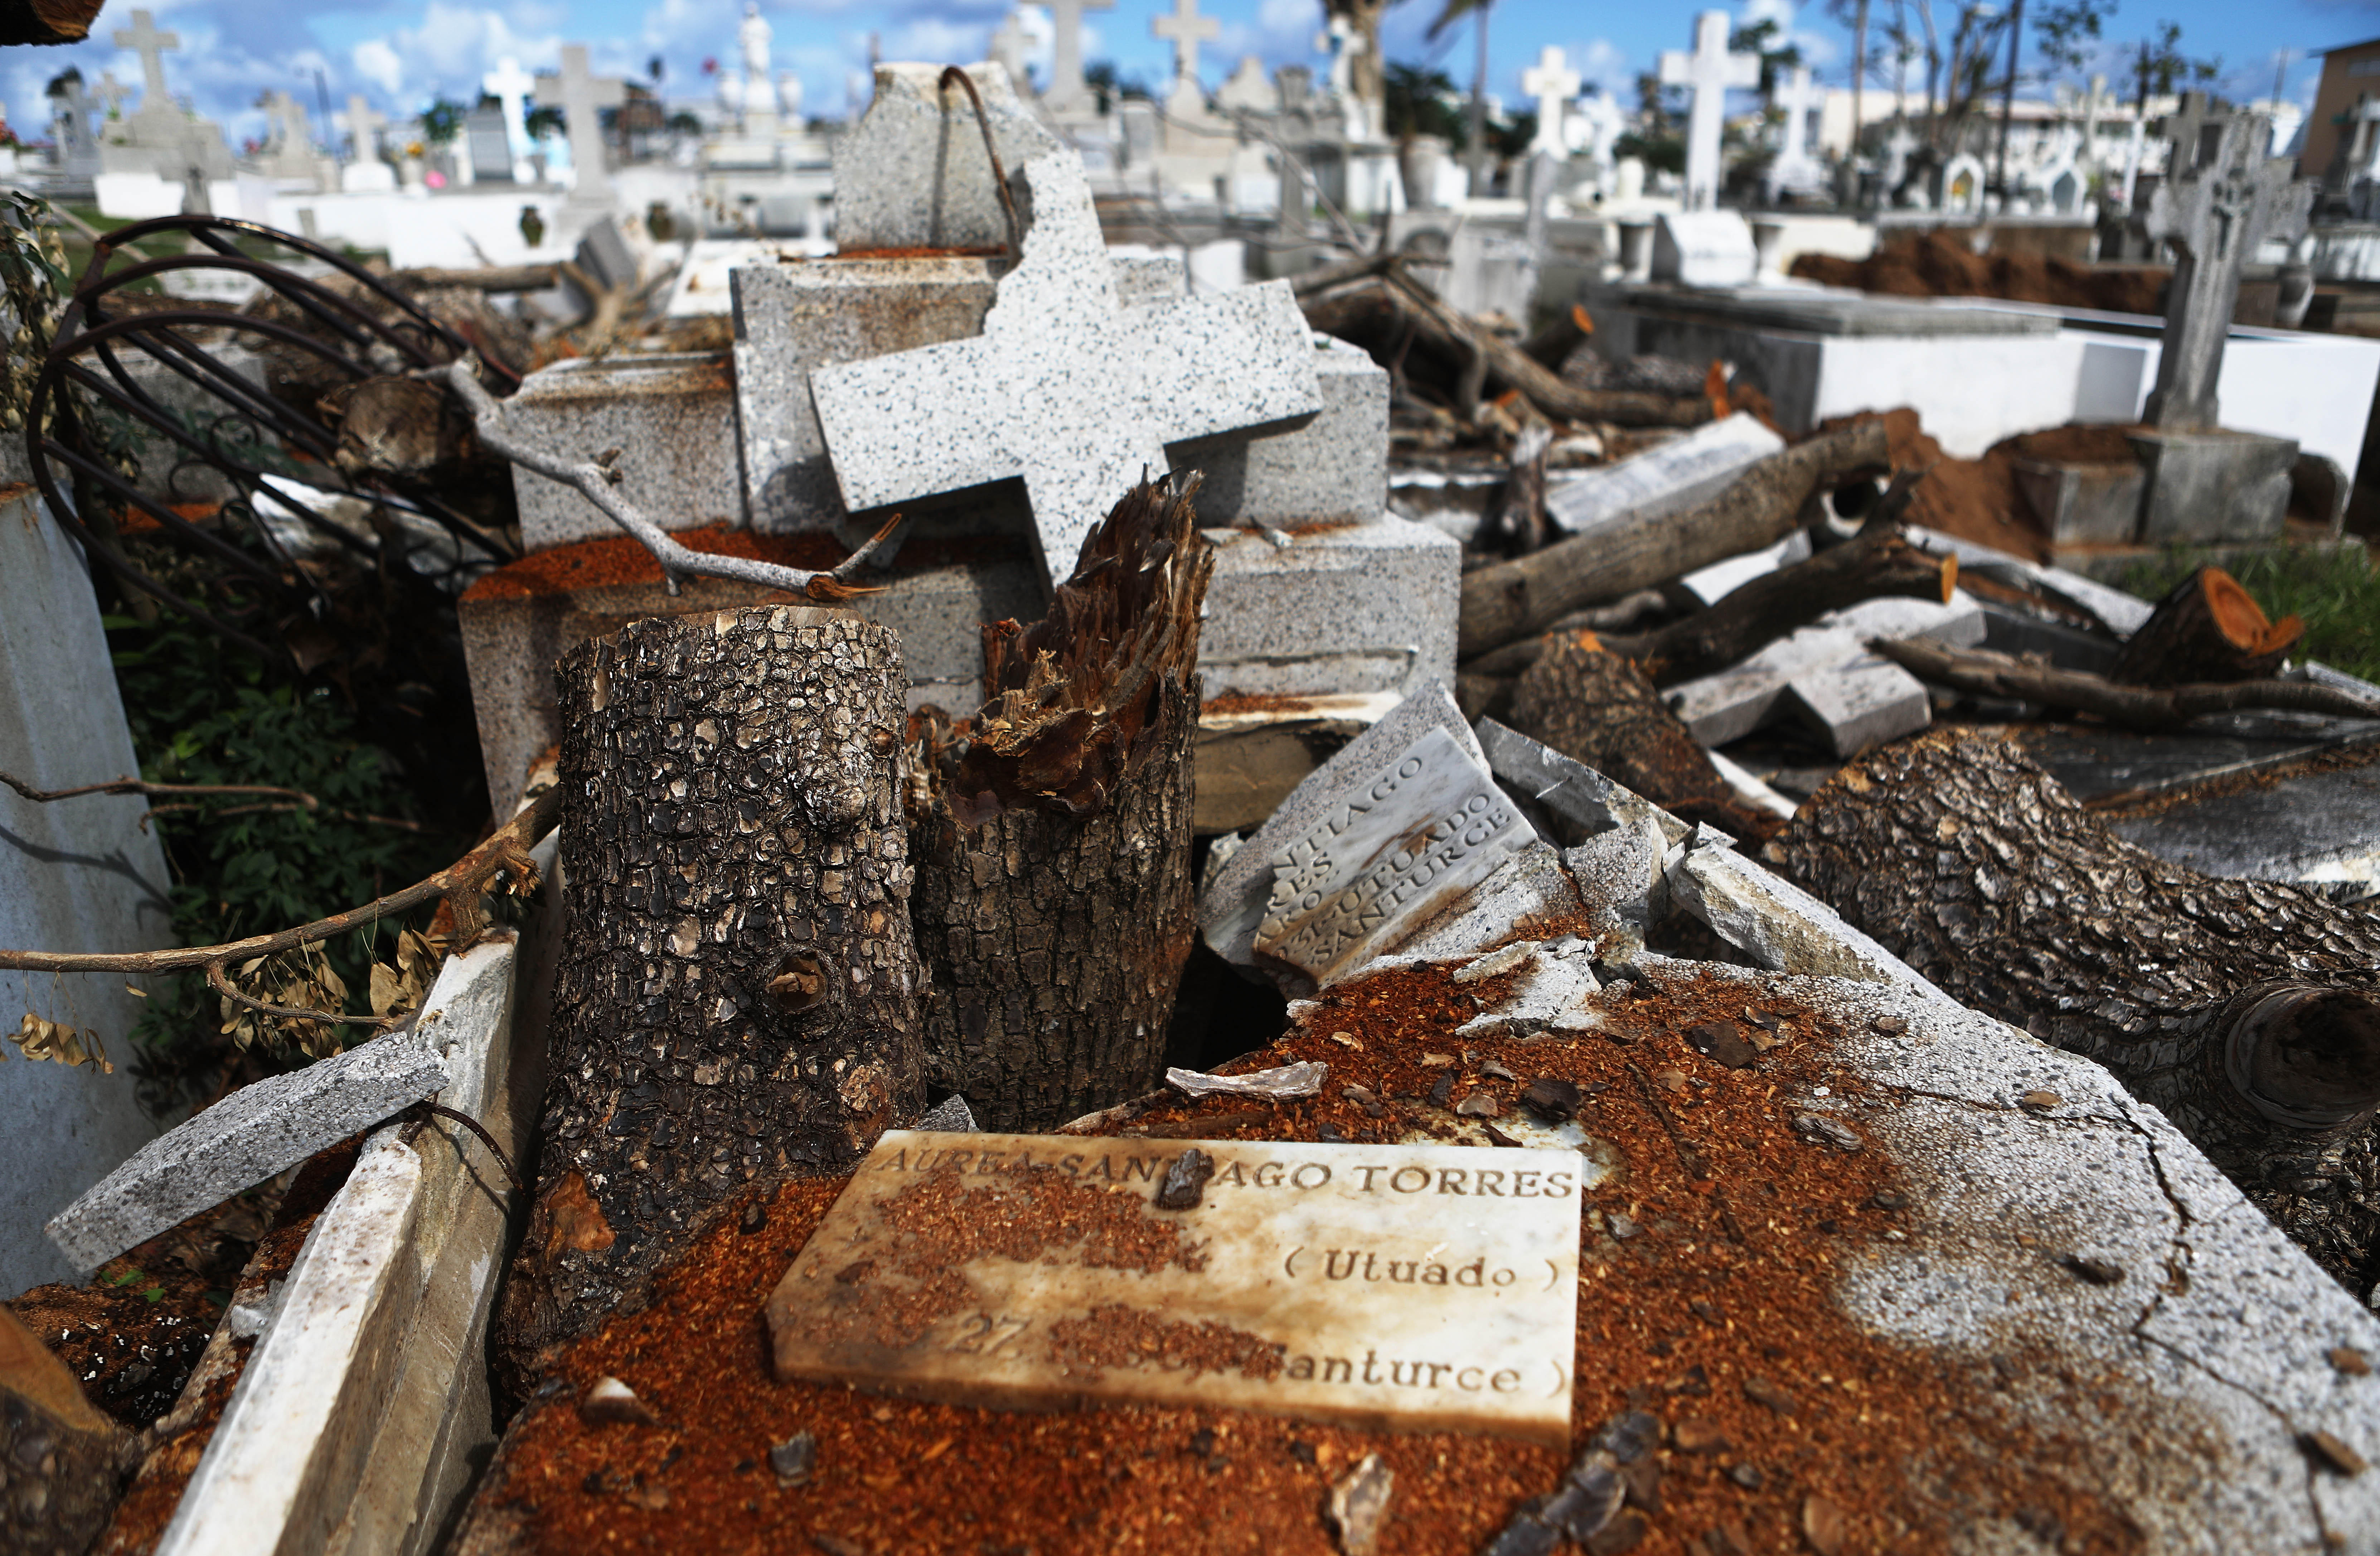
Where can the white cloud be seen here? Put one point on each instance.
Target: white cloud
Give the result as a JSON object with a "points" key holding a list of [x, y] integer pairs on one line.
{"points": [[379, 63]]}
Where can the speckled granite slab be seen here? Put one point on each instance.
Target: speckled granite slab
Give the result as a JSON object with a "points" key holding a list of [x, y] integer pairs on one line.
{"points": [[257, 1130], [1427, 1288], [1065, 386]]}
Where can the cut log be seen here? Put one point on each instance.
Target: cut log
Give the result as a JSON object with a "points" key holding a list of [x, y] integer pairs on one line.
{"points": [[737, 998], [46, 21], [1596, 707], [1051, 832], [66, 1461], [2244, 1009], [1519, 598], [1984, 673], [2208, 628]]}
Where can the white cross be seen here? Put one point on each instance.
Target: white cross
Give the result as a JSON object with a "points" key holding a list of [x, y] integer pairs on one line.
{"points": [[510, 85], [1187, 29], [143, 38], [1897, 147], [1604, 120], [296, 141], [1065, 387], [1553, 85], [1799, 98], [584, 97], [1007, 49], [112, 92], [365, 126], [1707, 73], [1066, 90]]}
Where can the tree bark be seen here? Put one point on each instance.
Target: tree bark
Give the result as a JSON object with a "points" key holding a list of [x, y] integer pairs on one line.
{"points": [[1597, 706], [737, 999], [1518, 598], [1054, 903], [2243, 1008], [2208, 628], [1985, 672]]}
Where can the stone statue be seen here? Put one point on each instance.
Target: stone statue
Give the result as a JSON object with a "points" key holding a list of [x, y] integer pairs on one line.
{"points": [[752, 36]]}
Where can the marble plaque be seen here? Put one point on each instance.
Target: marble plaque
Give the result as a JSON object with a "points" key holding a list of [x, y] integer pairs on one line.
{"points": [[1427, 826], [1402, 1287]]}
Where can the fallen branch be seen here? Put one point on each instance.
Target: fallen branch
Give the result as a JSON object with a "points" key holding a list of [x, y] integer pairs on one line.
{"points": [[1762, 507], [298, 799], [487, 278], [1981, 673], [460, 885], [595, 479]]}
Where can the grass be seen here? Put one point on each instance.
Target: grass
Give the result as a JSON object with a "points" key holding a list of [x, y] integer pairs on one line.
{"points": [[2337, 592]]}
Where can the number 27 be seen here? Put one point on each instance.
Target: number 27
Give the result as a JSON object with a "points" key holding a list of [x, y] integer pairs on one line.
{"points": [[984, 1334]]}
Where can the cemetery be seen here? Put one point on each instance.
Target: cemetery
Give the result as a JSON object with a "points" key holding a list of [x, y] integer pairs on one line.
{"points": [[1260, 832]]}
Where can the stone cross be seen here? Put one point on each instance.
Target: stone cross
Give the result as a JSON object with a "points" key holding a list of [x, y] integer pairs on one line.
{"points": [[2220, 198], [1796, 97], [1067, 91], [1007, 49], [1605, 120], [1187, 29], [1707, 73], [584, 97], [2095, 101], [1897, 147], [365, 126], [1553, 84], [143, 38], [511, 86], [112, 93], [293, 152], [1065, 387]]}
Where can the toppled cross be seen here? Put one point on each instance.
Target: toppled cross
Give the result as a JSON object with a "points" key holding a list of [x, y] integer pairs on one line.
{"points": [[1065, 387]]}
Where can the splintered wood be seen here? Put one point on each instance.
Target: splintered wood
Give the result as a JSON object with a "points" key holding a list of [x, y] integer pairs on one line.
{"points": [[1418, 1288]]}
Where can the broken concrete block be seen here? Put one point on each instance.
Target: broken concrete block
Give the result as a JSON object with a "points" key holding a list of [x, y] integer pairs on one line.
{"points": [[912, 173], [1668, 479], [1727, 706], [671, 417], [1777, 924], [1341, 609], [1550, 996], [1860, 704], [256, 1132], [1569, 789]]}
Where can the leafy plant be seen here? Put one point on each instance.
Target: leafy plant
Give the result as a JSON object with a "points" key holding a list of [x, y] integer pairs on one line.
{"points": [[1420, 100]]}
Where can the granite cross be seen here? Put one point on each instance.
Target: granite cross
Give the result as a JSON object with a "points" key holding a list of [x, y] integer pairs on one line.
{"points": [[1066, 90], [1707, 73], [2220, 198], [1065, 387], [1187, 29], [1553, 84], [365, 126], [584, 97], [143, 38], [510, 85]]}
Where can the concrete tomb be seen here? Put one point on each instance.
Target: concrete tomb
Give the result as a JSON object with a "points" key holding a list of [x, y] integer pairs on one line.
{"points": [[1421, 1287]]}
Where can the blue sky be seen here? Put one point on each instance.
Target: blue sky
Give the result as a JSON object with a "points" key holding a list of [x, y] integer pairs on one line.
{"points": [[400, 54]]}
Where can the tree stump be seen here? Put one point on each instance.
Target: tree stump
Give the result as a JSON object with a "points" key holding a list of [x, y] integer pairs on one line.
{"points": [[2208, 628], [1051, 832], [737, 999], [2244, 1009]]}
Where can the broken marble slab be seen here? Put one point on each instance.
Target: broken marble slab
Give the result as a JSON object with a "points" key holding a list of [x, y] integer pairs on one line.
{"points": [[2120, 612], [1712, 584], [1825, 674], [256, 1132], [1567, 789], [1231, 902], [1065, 387], [1549, 997], [1670, 478], [1390, 1287]]}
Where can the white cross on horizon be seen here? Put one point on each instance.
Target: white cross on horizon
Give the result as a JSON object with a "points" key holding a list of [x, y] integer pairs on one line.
{"points": [[144, 40], [1187, 29], [585, 95], [1708, 72], [1066, 90], [365, 126], [1553, 84], [511, 86]]}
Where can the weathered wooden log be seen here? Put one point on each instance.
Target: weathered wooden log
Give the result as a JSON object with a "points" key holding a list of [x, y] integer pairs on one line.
{"points": [[2243, 1008], [2208, 628], [1983, 672], [1387, 315], [46, 21], [66, 1461], [737, 999], [486, 278], [1051, 832], [1522, 597], [1597, 706]]}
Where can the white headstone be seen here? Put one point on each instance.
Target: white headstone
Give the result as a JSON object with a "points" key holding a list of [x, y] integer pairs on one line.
{"points": [[1707, 73], [1794, 170], [511, 86], [584, 96], [1553, 84], [1065, 387], [1600, 121], [1250, 89], [1704, 249], [1963, 186], [364, 126], [1067, 94]]}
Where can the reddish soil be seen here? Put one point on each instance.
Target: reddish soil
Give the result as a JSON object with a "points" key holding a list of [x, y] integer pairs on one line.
{"points": [[1706, 1275], [1939, 265]]}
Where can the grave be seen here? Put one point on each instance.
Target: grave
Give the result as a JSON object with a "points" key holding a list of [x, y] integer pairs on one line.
{"points": [[1397, 1287], [1706, 73], [1670, 478], [1318, 591]]}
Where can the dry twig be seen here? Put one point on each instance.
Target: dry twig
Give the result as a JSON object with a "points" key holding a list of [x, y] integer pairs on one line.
{"points": [[1981, 673], [189, 794]]}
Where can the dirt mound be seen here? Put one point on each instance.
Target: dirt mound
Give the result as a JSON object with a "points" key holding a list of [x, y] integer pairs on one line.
{"points": [[1973, 499], [1938, 264]]}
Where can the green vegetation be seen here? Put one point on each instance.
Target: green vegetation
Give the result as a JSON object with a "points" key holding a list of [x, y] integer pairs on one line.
{"points": [[2337, 593]]}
